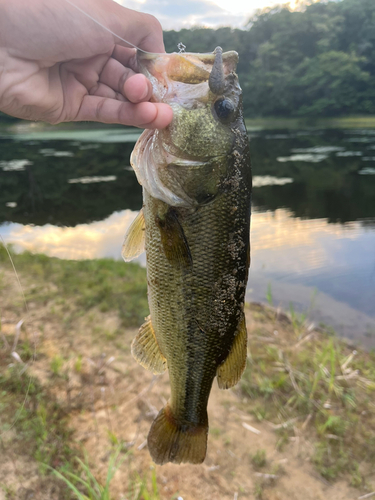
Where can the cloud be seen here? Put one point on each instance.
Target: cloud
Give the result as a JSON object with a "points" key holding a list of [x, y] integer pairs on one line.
{"points": [[207, 13], [186, 13]]}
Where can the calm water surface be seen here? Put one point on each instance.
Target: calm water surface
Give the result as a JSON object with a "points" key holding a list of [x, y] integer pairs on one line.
{"points": [[72, 194]]}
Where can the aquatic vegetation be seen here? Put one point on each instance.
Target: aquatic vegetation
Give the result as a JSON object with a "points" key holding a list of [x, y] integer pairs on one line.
{"points": [[347, 154], [308, 157], [268, 180], [14, 165], [367, 171], [91, 180], [318, 149], [57, 154]]}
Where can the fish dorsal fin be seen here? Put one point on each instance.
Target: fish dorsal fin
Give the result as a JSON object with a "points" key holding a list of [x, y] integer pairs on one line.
{"points": [[175, 244], [134, 241], [231, 370], [146, 351]]}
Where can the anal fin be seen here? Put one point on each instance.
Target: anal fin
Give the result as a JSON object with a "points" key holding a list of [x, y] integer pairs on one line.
{"points": [[231, 370], [134, 241], [146, 351]]}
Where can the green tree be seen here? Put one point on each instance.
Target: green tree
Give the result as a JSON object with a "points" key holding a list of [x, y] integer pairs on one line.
{"points": [[331, 83]]}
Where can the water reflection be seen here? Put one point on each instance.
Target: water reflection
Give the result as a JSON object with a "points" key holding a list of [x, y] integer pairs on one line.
{"points": [[84, 241], [336, 259], [295, 256], [72, 194], [283, 246]]}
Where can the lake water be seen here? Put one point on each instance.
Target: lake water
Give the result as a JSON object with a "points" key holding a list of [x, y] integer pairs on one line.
{"points": [[72, 194]]}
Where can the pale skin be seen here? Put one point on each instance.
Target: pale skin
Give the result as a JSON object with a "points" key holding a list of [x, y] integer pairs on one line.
{"points": [[56, 65]]}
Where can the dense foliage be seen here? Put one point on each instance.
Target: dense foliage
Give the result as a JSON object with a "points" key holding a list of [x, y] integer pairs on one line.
{"points": [[318, 61]]}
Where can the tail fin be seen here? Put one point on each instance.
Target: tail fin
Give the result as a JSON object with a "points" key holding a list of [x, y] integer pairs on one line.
{"points": [[169, 441]]}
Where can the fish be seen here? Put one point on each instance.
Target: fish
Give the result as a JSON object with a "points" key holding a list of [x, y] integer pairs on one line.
{"points": [[195, 228]]}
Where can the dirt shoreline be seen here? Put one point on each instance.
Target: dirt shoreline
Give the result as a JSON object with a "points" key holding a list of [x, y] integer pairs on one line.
{"points": [[84, 369]]}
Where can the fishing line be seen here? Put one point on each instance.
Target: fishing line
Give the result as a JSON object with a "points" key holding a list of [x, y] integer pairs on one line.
{"points": [[181, 46], [104, 27], [1, 238], [15, 272], [27, 312]]}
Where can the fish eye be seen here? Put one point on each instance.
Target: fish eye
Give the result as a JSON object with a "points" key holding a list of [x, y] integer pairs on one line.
{"points": [[224, 108]]}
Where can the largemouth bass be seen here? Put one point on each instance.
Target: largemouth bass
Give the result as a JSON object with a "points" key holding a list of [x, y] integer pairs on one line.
{"points": [[195, 221]]}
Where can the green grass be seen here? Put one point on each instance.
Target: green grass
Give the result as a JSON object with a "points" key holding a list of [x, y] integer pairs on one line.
{"points": [[259, 459], [40, 424], [300, 379], [43, 434], [85, 486], [103, 283], [56, 365], [91, 488], [67, 289], [314, 384]]}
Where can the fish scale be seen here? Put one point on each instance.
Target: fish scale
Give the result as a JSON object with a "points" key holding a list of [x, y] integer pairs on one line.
{"points": [[189, 306], [195, 220]]}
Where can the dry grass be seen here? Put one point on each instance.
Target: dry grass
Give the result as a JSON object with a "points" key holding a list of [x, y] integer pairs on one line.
{"points": [[311, 389], [313, 386]]}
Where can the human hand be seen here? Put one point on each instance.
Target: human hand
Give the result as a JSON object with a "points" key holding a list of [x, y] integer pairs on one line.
{"points": [[57, 65]]}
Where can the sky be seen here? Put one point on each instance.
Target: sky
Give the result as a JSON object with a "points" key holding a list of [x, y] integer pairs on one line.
{"points": [[177, 14]]}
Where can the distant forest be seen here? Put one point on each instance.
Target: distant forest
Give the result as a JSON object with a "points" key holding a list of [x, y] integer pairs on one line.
{"points": [[314, 62], [319, 61]]}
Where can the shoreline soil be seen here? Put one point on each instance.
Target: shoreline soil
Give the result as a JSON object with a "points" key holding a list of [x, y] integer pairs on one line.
{"points": [[301, 423]]}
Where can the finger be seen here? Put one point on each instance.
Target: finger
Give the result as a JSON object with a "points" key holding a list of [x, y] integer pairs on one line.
{"points": [[102, 90], [105, 110], [134, 87], [143, 30], [114, 75], [137, 88], [127, 57]]}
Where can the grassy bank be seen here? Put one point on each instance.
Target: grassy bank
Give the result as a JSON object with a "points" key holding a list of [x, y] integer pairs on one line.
{"points": [[69, 385], [103, 283], [311, 384]]}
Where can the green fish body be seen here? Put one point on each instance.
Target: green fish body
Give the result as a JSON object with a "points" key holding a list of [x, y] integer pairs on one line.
{"points": [[195, 223]]}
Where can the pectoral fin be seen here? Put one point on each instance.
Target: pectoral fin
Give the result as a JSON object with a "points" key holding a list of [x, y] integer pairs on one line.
{"points": [[175, 245], [146, 351], [134, 242], [231, 370]]}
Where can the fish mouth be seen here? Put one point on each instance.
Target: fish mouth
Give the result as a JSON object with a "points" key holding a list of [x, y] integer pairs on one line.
{"points": [[190, 68]]}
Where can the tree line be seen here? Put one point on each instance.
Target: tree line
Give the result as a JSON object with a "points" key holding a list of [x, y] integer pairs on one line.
{"points": [[317, 61]]}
